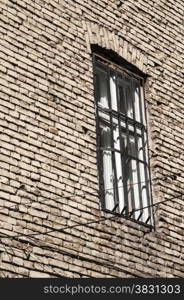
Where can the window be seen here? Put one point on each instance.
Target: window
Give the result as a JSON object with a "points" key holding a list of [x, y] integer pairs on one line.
{"points": [[122, 141]]}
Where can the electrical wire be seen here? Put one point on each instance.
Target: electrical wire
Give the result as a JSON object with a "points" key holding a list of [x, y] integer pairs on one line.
{"points": [[30, 254], [173, 199], [78, 256], [68, 197], [71, 196], [50, 248]]}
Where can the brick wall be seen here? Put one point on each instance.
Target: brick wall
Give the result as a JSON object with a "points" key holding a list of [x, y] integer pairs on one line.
{"points": [[48, 177]]}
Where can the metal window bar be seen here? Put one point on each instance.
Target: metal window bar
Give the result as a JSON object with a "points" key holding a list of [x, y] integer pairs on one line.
{"points": [[128, 121]]}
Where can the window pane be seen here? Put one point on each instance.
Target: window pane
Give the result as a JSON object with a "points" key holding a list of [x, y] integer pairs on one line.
{"points": [[115, 121], [105, 136], [123, 124], [124, 143], [144, 185], [140, 148], [136, 147], [132, 146], [104, 116], [102, 91], [126, 98], [137, 102], [129, 182], [113, 93], [145, 145], [108, 176], [131, 128], [122, 99], [119, 177], [116, 138], [118, 161], [129, 101], [135, 187], [143, 120]]}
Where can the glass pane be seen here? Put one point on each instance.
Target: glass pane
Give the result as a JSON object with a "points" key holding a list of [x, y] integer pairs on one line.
{"points": [[132, 146], [104, 116], [142, 105], [118, 162], [129, 101], [116, 138], [143, 185], [135, 187], [122, 100], [139, 131], [105, 136], [124, 143], [108, 176], [102, 90], [115, 121], [146, 146], [129, 182], [140, 148], [126, 98], [137, 103], [108, 180], [119, 177], [123, 124], [113, 93], [131, 128]]}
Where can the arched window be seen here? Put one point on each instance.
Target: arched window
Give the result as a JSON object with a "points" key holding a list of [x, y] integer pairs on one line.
{"points": [[122, 140]]}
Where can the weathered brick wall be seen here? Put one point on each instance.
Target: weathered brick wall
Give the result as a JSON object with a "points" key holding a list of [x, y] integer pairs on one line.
{"points": [[48, 176]]}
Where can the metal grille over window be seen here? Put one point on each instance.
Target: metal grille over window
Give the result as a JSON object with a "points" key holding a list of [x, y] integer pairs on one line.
{"points": [[122, 142]]}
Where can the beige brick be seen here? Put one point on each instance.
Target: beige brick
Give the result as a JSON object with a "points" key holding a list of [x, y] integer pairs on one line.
{"points": [[36, 274], [48, 137]]}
